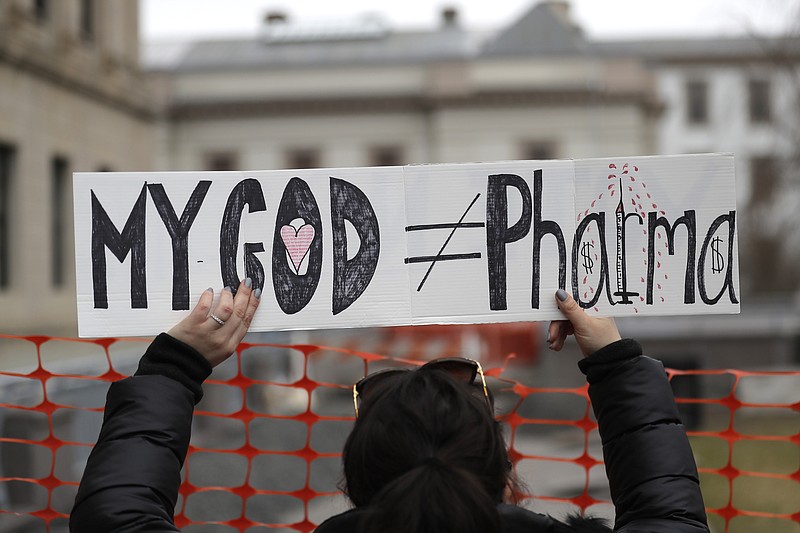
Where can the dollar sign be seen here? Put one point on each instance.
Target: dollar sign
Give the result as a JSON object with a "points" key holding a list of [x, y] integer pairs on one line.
{"points": [[717, 261], [588, 262]]}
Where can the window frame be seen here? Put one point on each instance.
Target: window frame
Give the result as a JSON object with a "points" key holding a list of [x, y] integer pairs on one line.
{"points": [[59, 192], [41, 10], [759, 102], [7, 163], [533, 149], [697, 110], [87, 21], [295, 157], [386, 155], [221, 160]]}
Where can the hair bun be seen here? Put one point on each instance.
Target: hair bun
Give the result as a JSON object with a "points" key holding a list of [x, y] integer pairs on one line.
{"points": [[430, 461]]}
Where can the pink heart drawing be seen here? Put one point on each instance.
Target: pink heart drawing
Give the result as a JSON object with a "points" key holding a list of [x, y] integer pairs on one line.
{"points": [[297, 242]]}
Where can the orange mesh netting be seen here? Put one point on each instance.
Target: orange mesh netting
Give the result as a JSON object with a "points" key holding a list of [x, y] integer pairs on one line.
{"points": [[267, 436]]}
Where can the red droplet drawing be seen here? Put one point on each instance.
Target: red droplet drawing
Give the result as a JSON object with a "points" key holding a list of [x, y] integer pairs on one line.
{"points": [[637, 196]]}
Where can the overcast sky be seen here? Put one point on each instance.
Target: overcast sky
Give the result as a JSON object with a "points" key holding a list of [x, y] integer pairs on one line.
{"points": [[604, 19]]}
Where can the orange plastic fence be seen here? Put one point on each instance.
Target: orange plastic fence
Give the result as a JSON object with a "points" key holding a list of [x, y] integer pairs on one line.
{"points": [[36, 492]]}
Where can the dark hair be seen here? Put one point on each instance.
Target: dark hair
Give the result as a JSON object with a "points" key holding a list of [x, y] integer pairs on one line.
{"points": [[426, 455]]}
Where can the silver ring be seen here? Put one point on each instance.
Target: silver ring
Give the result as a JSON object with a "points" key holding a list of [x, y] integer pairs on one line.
{"points": [[217, 319]]}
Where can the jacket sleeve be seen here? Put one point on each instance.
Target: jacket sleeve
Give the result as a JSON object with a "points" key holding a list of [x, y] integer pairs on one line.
{"points": [[651, 470], [132, 476]]}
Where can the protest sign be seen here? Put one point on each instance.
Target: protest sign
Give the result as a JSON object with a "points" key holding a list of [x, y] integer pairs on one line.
{"points": [[419, 244]]}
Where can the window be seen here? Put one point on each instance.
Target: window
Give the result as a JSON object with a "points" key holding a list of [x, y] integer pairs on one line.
{"points": [[386, 156], [59, 176], [764, 180], [303, 158], [41, 10], [697, 102], [221, 161], [87, 20], [759, 101], [6, 167], [538, 150]]}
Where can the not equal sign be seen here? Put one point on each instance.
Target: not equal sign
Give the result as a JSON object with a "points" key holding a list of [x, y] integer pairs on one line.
{"points": [[441, 256]]}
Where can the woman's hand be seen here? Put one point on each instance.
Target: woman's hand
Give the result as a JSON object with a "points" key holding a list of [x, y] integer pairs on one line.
{"points": [[590, 332], [217, 334]]}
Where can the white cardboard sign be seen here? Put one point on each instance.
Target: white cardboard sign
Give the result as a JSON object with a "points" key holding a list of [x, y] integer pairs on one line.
{"points": [[420, 244]]}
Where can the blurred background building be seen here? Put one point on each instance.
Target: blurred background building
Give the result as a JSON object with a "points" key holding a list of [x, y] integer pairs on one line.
{"points": [[75, 97], [72, 97], [359, 94]]}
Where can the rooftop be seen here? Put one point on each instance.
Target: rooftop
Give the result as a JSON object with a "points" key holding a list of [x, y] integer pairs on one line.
{"points": [[546, 30]]}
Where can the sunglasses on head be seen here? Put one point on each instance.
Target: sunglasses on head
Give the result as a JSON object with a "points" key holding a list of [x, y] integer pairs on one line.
{"points": [[462, 369]]}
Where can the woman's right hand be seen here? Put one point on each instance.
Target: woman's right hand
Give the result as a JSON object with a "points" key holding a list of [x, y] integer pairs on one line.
{"points": [[591, 333], [216, 334]]}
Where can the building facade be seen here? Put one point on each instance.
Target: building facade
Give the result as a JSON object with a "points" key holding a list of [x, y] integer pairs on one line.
{"points": [[741, 96], [298, 96], [72, 98]]}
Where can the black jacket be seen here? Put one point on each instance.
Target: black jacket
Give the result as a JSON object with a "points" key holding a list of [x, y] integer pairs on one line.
{"points": [[132, 477]]}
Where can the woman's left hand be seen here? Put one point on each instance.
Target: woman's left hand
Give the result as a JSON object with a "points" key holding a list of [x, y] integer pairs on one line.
{"points": [[216, 334], [592, 333]]}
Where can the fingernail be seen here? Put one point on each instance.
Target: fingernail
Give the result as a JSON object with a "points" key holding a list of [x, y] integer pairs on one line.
{"points": [[562, 295], [257, 294], [227, 289], [548, 339], [211, 290], [248, 282]]}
